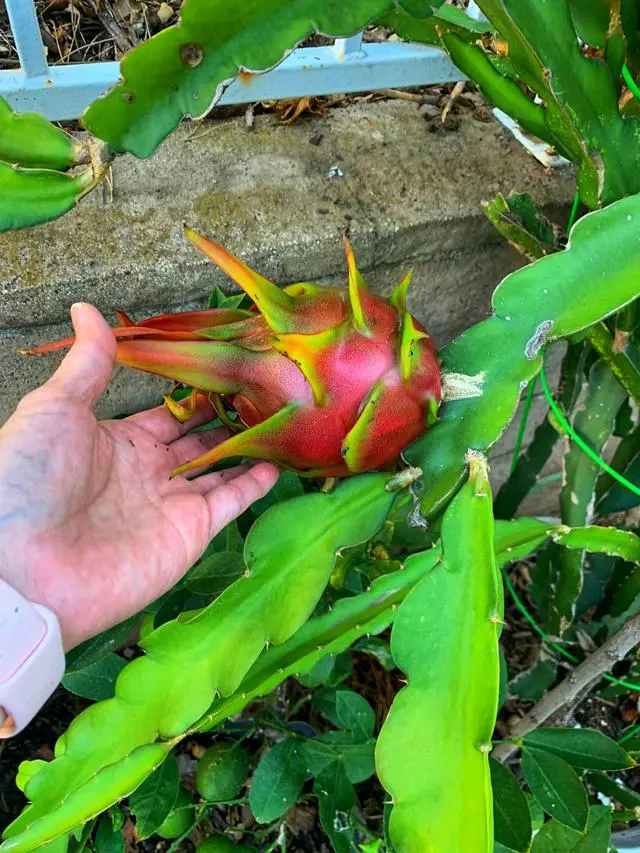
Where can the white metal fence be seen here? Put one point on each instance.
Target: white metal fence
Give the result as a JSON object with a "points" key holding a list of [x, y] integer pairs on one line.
{"points": [[349, 65]]}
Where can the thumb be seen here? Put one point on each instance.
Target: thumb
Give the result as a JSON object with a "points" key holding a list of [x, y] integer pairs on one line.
{"points": [[86, 370]]}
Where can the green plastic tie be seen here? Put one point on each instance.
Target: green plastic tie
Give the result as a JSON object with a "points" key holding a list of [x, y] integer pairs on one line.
{"points": [[523, 424], [631, 733], [555, 646], [631, 83], [582, 444], [574, 211]]}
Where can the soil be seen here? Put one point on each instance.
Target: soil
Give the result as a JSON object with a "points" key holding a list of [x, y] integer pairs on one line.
{"points": [[304, 832], [91, 30]]}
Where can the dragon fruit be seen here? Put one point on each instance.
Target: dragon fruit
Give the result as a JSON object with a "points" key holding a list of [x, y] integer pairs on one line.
{"points": [[326, 381]]}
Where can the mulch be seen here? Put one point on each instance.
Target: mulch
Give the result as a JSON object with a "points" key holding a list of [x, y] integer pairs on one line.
{"points": [[91, 30]]}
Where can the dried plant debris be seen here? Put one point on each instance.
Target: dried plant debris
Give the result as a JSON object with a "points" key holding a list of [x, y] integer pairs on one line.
{"points": [[91, 30]]}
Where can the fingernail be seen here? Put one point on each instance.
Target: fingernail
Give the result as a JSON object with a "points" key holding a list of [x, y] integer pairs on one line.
{"points": [[77, 312]]}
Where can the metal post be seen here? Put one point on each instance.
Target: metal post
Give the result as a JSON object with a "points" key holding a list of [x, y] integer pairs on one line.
{"points": [[26, 32], [64, 91], [475, 12], [348, 47]]}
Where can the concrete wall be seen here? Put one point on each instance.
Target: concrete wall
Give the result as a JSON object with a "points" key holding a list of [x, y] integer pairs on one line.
{"points": [[411, 198]]}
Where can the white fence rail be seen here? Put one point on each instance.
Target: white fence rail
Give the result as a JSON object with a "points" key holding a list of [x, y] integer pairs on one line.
{"points": [[64, 91]]}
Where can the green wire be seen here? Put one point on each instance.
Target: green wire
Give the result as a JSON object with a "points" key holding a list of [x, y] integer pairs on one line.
{"points": [[545, 637], [566, 426], [569, 430], [529, 399], [631, 733], [518, 603], [574, 211], [523, 424], [631, 83]]}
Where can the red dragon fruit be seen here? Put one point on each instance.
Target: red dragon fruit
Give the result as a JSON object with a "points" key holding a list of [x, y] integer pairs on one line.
{"points": [[326, 381]]}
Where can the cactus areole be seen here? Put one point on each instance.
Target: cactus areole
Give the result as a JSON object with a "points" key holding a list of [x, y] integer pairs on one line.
{"points": [[326, 381]]}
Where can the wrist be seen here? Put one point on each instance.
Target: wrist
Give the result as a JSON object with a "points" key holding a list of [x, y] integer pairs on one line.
{"points": [[31, 658]]}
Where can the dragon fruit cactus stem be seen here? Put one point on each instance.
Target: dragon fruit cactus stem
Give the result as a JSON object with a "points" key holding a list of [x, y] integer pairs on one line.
{"points": [[326, 381]]}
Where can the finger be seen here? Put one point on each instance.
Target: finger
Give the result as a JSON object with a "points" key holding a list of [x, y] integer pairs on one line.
{"points": [[86, 370], [191, 446], [165, 428], [230, 500]]}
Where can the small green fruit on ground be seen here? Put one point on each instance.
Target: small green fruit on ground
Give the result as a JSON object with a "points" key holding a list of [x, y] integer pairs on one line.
{"points": [[179, 819], [221, 772], [222, 844]]}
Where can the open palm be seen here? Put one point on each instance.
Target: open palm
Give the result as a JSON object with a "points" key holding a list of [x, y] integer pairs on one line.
{"points": [[90, 524]]}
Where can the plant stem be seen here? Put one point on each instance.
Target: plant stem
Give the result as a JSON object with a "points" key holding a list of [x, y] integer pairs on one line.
{"points": [[621, 366], [523, 424], [583, 677]]}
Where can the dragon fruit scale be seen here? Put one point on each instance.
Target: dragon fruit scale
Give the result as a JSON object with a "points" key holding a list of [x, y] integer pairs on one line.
{"points": [[326, 381]]}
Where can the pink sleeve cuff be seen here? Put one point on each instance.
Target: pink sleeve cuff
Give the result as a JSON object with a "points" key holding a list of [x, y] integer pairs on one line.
{"points": [[31, 659]]}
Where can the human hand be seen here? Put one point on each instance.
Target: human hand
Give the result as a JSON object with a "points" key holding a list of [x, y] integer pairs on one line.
{"points": [[90, 524]]}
